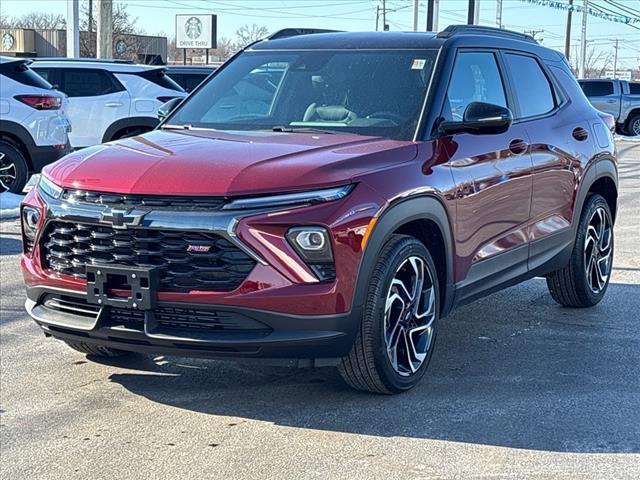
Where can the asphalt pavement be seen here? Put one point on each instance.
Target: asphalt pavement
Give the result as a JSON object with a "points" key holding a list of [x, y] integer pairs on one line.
{"points": [[518, 388]]}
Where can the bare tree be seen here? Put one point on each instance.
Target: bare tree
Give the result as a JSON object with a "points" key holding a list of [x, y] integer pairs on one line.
{"points": [[596, 63], [35, 20], [124, 25], [5, 20], [247, 34], [224, 50]]}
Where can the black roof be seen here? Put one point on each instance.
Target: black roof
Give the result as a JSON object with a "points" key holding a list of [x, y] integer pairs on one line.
{"points": [[352, 40], [455, 35]]}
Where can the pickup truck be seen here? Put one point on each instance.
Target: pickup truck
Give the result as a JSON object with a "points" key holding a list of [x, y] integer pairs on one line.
{"points": [[618, 98]]}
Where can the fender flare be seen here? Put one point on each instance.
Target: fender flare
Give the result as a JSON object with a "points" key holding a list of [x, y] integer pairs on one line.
{"points": [[604, 167], [129, 122], [22, 134], [423, 207]]}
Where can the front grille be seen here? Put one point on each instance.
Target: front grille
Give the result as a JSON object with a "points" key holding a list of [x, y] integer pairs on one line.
{"points": [[216, 264], [157, 202], [172, 320]]}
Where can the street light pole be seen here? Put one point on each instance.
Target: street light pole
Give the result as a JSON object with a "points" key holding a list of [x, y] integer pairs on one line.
{"points": [[104, 32], [73, 29]]}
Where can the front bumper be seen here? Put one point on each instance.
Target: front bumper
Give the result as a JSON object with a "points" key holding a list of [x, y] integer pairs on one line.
{"points": [[196, 330]]}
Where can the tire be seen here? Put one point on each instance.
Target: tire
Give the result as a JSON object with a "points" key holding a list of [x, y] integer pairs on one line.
{"points": [[130, 132], [13, 169], [373, 365], [96, 350], [633, 128], [584, 280]]}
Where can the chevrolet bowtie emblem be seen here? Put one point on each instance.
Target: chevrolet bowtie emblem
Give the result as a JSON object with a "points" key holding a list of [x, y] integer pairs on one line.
{"points": [[122, 218]]}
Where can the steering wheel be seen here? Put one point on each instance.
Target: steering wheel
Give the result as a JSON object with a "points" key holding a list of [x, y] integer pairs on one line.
{"points": [[394, 117]]}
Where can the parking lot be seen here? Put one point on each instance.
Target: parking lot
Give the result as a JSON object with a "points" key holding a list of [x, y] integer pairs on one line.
{"points": [[518, 388]]}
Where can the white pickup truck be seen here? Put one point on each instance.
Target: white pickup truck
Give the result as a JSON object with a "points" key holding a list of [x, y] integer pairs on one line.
{"points": [[618, 98]]}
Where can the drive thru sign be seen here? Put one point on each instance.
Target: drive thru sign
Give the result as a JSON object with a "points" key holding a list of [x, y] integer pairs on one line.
{"points": [[196, 31]]}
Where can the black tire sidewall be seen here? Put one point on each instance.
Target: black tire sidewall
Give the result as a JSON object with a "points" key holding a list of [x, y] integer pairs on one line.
{"points": [[15, 157], [630, 127], [396, 251], [594, 201]]}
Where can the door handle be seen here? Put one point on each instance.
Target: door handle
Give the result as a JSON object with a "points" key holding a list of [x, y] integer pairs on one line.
{"points": [[518, 146], [611, 101], [580, 134], [113, 104]]}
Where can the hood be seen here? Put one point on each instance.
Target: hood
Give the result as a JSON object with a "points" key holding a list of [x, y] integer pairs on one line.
{"points": [[199, 162]]}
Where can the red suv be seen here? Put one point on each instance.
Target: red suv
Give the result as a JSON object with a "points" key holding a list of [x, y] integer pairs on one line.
{"points": [[326, 198]]}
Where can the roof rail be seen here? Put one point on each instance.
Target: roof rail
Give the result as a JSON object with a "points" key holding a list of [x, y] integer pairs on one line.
{"points": [[452, 30], [82, 59], [293, 32]]}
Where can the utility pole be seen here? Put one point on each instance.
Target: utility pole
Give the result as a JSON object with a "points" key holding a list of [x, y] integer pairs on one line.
{"points": [[105, 29], [73, 29], [533, 33], [430, 14], [416, 5], [377, 16], [567, 37], [499, 13], [90, 22], [583, 39], [436, 14], [615, 60], [476, 11], [471, 14], [385, 27]]}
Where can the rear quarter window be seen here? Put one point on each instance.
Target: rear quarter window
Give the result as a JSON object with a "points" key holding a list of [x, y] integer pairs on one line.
{"points": [[160, 78], [634, 88]]}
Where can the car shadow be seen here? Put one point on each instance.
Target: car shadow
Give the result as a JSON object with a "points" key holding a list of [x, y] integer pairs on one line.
{"points": [[512, 370]]}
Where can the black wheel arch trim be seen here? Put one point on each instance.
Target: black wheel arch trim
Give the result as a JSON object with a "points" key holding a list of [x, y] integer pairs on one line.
{"points": [[603, 167], [16, 130], [394, 216], [128, 122]]}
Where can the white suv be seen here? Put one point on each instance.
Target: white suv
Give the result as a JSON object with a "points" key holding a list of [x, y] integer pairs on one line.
{"points": [[33, 125], [109, 100]]}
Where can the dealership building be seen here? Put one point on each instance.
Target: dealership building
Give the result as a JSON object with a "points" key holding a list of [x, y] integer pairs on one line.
{"points": [[23, 42]]}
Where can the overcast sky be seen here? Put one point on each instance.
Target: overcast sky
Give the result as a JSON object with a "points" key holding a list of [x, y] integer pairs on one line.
{"points": [[158, 16]]}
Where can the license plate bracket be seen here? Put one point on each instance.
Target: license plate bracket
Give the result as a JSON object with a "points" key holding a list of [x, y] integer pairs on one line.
{"points": [[135, 286]]}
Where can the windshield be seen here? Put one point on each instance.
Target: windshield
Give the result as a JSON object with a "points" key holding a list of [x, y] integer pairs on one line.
{"points": [[366, 92]]}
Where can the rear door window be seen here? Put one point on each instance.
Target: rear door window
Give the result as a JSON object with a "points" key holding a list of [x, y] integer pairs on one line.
{"points": [[597, 89], [534, 93], [81, 82]]}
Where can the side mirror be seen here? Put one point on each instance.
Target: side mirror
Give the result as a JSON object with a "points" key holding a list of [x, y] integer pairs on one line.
{"points": [[166, 108], [480, 119]]}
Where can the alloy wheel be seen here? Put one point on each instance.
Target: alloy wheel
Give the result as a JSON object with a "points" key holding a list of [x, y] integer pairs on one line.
{"points": [[410, 312], [635, 127], [598, 249], [7, 173]]}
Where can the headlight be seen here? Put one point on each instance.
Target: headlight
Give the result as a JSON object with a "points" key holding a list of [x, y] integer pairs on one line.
{"points": [[48, 187], [30, 218], [290, 199]]}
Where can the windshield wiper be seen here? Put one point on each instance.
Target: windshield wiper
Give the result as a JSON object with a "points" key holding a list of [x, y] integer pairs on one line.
{"points": [[176, 127], [303, 130]]}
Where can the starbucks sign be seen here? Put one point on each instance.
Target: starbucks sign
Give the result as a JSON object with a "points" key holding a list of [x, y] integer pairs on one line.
{"points": [[8, 41], [196, 31]]}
